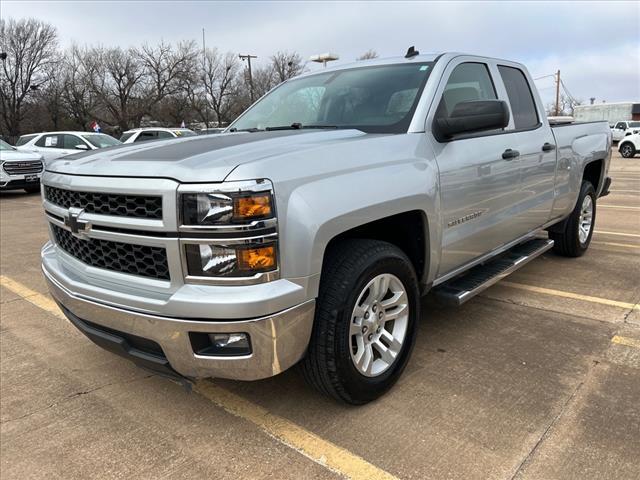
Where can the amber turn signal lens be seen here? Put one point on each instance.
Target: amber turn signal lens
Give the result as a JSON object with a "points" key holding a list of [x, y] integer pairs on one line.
{"points": [[257, 259], [254, 206]]}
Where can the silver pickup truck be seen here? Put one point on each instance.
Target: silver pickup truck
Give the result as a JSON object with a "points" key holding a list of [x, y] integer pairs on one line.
{"points": [[307, 232]]}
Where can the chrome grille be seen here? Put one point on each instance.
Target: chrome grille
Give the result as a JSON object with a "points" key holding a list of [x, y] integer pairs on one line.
{"points": [[141, 260], [119, 205], [22, 168]]}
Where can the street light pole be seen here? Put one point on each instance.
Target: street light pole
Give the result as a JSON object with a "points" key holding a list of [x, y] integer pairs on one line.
{"points": [[248, 58]]}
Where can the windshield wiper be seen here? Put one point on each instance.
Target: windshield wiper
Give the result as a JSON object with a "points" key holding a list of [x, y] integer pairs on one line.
{"points": [[298, 126], [250, 130]]}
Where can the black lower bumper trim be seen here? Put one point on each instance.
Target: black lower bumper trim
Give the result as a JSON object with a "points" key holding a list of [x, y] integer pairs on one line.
{"points": [[141, 351], [605, 187], [20, 184]]}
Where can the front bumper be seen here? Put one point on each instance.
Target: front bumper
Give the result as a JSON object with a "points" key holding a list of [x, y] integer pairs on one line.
{"points": [[278, 340]]}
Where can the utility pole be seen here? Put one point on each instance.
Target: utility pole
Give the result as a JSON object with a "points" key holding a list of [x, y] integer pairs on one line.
{"points": [[204, 73], [248, 58], [558, 93]]}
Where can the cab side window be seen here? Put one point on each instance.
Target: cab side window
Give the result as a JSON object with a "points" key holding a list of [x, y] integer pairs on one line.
{"points": [[523, 106], [468, 82], [50, 141]]}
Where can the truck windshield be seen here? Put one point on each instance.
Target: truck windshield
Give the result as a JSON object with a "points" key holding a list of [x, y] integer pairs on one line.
{"points": [[376, 99]]}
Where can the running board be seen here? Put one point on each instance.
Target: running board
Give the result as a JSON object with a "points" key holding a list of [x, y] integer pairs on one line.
{"points": [[460, 289]]}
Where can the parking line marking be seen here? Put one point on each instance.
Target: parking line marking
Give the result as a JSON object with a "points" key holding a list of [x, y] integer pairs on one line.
{"points": [[323, 452], [310, 445], [574, 296], [626, 341], [36, 298], [617, 233], [613, 244], [621, 207], [625, 191]]}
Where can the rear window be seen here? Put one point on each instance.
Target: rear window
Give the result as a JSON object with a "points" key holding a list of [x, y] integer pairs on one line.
{"points": [[523, 107], [25, 139]]}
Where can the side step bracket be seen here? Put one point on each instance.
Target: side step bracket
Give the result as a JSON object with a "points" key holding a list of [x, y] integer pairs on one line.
{"points": [[462, 288]]}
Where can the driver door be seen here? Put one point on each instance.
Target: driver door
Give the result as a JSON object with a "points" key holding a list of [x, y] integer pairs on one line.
{"points": [[479, 187]]}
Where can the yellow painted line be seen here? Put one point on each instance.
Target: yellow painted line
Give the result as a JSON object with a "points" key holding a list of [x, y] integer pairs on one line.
{"points": [[36, 298], [629, 342], [617, 233], [323, 452], [613, 244], [574, 296], [621, 207], [308, 444]]}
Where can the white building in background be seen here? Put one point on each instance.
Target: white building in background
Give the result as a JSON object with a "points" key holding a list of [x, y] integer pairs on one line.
{"points": [[611, 112]]}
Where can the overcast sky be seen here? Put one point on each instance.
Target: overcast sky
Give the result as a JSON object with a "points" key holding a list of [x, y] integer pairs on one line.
{"points": [[596, 45]]}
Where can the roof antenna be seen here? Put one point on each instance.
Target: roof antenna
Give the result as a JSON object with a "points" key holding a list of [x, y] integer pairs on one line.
{"points": [[412, 52]]}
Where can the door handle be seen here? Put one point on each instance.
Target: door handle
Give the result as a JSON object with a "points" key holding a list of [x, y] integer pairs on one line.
{"points": [[510, 154], [547, 147]]}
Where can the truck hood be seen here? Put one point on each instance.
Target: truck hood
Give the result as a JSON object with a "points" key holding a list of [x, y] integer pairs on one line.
{"points": [[208, 158]]}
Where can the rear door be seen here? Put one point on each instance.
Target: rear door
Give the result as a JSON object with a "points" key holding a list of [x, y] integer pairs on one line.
{"points": [[535, 143], [50, 146], [479, 189]]}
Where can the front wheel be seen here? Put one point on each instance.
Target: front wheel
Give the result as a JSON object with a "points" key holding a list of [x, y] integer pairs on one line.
{"points": [[627, 150], [365, 322], [575, 238]]}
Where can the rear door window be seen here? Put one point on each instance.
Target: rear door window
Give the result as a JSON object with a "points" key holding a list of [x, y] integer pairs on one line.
{"points": [[146, 136], [50, 141], [523, 107], [163, 134]]}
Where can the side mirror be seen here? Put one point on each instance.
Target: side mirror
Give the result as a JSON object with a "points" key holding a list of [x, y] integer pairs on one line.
{"points": [[81, 146], [471, 117]]}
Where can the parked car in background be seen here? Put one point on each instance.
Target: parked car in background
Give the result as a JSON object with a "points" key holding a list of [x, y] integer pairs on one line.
{"points": [[209, 131], [19, 170], [154, 133], [619, 130], [52, 145], [629, 145]]}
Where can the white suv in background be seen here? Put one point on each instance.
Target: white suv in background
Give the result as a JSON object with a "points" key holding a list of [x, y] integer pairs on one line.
{"points": [[619, 130], [19, 170], [146, 134], [629, 145], [52, 145]]}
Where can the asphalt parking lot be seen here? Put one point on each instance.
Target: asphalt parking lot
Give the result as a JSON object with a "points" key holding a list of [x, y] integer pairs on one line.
{"points": [[538, 378]]}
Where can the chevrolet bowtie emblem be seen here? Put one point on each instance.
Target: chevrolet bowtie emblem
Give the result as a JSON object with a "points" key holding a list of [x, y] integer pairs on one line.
{"points": [[77, 226]]}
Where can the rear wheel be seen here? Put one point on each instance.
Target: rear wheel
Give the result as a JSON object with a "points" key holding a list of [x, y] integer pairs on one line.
{"points": [[575, 238], [365, 321], [627, 150]]}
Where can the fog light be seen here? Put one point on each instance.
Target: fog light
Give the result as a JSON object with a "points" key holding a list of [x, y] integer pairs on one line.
{"points": [[220, 344]]}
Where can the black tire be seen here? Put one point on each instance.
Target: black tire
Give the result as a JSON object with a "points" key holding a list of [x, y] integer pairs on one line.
{"points": [[567, 242], [349, 266], [32, 189], [627, 150]]}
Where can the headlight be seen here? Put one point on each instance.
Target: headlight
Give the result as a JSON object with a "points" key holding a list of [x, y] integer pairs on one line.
{"points": [[229, 232], [207, 260], [210, 208]]}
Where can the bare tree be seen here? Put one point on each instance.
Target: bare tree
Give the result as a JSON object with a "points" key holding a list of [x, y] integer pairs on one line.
{"points": [[220, 79], [368, 55], [30, 46], [167, 69], [116, 77], [78, 98], [286, 65], [566, 106]]}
